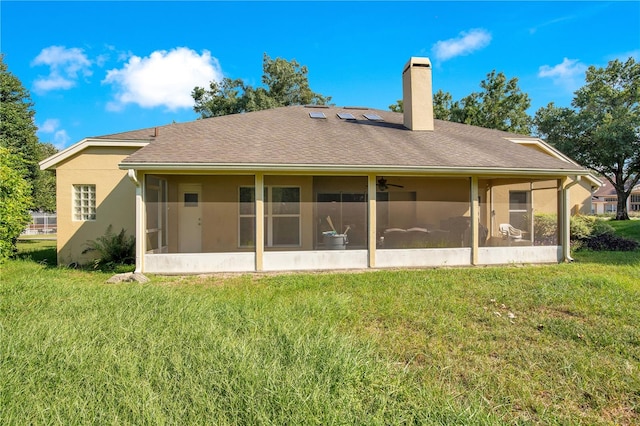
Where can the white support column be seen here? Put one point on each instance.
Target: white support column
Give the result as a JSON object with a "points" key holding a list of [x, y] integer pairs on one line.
{"points": [[532, 219], [140, 223], [259, 191], [565, 201], [373, 225], [475, 208]]}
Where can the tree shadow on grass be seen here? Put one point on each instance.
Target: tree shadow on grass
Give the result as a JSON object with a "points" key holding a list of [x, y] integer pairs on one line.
{"points": [[608, 257], [39, 251], [44, 252]]}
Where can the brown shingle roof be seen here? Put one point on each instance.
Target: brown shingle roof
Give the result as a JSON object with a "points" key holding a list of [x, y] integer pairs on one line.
{"points": [[287, 135]]}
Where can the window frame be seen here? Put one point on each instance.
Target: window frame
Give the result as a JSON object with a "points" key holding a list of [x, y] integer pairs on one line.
{"points": [[520, 213], [270, 213], [83, 202]]}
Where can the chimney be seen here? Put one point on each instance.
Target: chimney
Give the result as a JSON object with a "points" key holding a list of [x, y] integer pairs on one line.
{"points": [[417, 95]]}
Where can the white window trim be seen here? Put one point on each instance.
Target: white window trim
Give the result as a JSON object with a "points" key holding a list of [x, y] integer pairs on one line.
{"points": [[269, 216], [88, 212]]}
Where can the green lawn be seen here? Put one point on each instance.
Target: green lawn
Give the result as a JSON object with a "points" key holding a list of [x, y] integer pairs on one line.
{"points": [[556, 344], [627, 228]]}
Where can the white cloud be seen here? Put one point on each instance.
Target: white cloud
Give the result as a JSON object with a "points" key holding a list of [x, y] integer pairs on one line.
{"points": [[49, 126], [569, 74], [58, 137], [65, 66], [466, 43], [164, 78]]}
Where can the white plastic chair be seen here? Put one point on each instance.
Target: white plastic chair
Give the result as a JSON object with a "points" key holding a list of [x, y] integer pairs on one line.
{"points": [[509, 232]]}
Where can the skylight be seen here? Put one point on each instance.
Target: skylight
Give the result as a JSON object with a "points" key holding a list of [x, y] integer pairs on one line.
{"points": [[346, 116], [373, 117], [317, 115]]}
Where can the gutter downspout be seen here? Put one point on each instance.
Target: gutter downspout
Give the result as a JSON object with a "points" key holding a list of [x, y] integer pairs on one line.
{"points": [[139, 221], [566, 219]]}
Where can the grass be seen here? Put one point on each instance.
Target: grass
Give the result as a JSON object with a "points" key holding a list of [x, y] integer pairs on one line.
{"points": [[553, 344], [627, 228]]}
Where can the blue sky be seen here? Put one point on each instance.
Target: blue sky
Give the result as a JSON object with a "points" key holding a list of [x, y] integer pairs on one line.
{"points": [[96, 68]]}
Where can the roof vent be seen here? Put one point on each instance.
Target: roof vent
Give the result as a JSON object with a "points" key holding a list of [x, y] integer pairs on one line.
{"points": [[346, 116], [373, 117]]}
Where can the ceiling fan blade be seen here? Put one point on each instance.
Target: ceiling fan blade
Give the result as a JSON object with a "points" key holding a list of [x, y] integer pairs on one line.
{"points": [[397, 186]]}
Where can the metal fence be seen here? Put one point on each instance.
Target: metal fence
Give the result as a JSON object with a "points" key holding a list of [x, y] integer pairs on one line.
{"points": [[42, 223]]}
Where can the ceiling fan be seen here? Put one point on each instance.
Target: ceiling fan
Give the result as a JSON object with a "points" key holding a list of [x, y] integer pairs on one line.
{"points": [[383, 185]]}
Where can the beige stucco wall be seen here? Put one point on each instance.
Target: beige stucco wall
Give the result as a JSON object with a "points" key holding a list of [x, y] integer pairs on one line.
{"points": [[580, 194], [220, 213], [115, 200], [580, 198], [440, 199], [544, 199]]}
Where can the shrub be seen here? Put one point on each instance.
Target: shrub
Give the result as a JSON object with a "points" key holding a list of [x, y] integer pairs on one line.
{"points": [[580, 227], [113, 249], [601, 227], [15, 199], [545, 228], [594, 233], [609, 242]]}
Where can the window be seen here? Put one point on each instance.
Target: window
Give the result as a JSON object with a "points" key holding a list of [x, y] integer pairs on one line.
{"points": [[519, 207], [635, 202], [247, 215], [84, 202], [281, 216]]}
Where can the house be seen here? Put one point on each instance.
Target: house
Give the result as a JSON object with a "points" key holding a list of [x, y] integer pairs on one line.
{"points": [[605, 199], [319, 187]]}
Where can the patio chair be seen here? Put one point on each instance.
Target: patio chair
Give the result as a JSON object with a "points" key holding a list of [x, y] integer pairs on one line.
{"points": [[510, 233]]}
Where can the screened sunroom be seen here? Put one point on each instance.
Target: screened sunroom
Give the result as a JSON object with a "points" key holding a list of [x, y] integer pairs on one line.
{"points": [[206, 223]]}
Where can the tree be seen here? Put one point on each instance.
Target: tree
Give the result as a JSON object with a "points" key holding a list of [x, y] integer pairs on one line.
{"points": [[441, 105], [44, 184], [286, 83], [502, 105], [18, 135], [15, 199], [17, 128], [602, 130], [397, 107]]}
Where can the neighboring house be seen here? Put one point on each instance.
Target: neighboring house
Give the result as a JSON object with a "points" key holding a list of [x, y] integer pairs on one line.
{"points": [[265, 191], [605, 199]]}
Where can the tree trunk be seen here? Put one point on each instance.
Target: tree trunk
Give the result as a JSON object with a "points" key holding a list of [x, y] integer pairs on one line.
{"points": [[621, 210]]}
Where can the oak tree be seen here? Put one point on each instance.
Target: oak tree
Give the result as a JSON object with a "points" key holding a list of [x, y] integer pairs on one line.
{"points": [[284, 83], [602, 129], [500, 105]]}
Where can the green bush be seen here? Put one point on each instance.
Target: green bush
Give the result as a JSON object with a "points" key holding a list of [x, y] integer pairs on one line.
{"points": [[15, 199], [609, 242], [595, 233], [581, 227], [113, 249], [601, 227], [545, 228]]}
